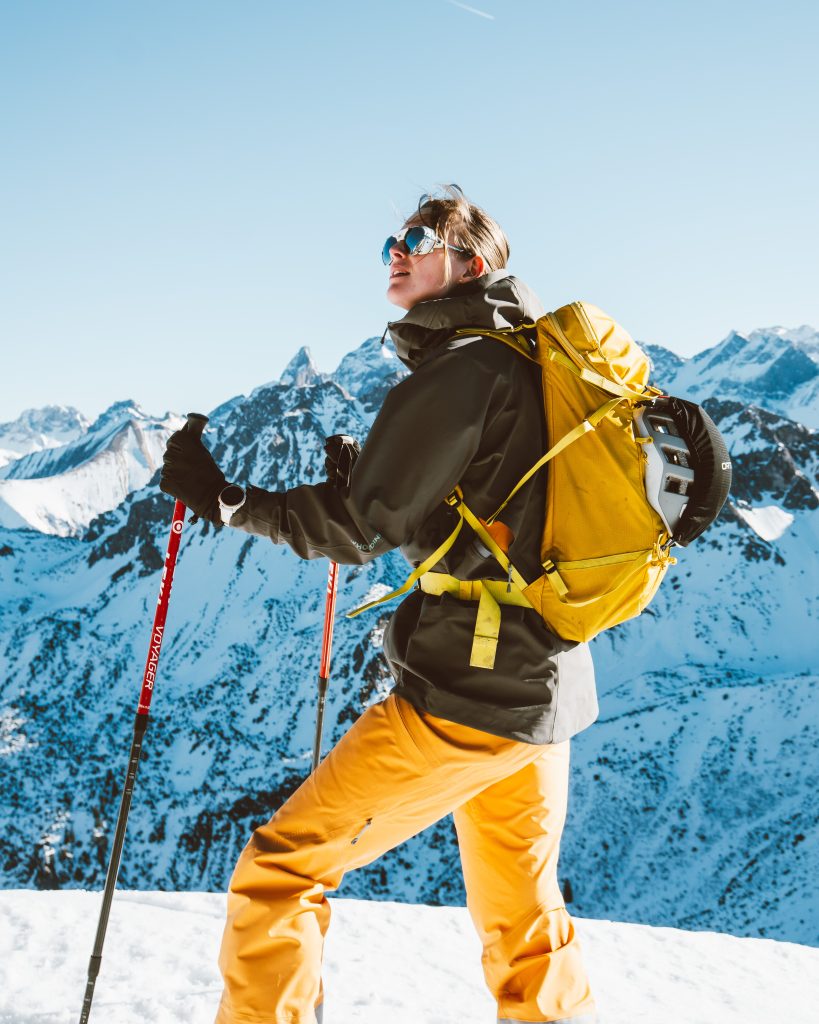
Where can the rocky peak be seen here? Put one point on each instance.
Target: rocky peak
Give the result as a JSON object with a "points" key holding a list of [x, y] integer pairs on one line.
{"points": [[301, 371], [368, 372], [36, 429], [116, 415]]}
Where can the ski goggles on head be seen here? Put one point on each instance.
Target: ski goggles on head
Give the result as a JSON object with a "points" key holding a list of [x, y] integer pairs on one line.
{"points": [[418, 240]]}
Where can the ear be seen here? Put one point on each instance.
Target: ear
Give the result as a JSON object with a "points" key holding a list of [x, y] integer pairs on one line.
{"points": [[475, 268]]}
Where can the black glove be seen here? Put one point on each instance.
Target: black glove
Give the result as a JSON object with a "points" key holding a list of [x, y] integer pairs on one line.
{"points": [[342, 451], [190, 475]]}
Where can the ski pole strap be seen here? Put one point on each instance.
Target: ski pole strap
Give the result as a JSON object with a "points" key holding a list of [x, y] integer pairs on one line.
{"points": [[489, 594]]}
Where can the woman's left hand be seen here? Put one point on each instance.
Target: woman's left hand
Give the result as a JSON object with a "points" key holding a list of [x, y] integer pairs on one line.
{"points": [[342, 452]]}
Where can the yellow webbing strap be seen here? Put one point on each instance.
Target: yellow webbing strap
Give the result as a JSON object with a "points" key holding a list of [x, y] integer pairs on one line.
{"points": [[489, 542], [556, 580], [614, 387], [506, 334], [424, 567], [591, 422], [438, 583], [557, 356], [456, 501], [604, 383], [635, 560], [621, 556], [489, 594], [487, 631]]}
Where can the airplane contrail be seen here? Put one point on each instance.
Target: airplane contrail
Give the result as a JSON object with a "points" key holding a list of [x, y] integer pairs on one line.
{"points": [[472, 10]]}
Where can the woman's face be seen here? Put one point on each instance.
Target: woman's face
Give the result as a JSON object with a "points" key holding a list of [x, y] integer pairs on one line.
{"points": [[415, 279]]}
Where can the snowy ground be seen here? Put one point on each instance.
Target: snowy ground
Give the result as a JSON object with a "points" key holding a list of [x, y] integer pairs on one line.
{"points": [[383, 962]]}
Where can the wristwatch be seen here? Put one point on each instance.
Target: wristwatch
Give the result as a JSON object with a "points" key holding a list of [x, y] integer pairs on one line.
{"points": [[231, 499]]}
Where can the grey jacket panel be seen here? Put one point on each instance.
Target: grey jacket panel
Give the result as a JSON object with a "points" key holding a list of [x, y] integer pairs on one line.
{"points": [[471, 413]]}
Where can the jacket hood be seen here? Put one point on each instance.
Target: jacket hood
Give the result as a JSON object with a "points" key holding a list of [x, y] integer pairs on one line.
{"points": [[494, 301]]}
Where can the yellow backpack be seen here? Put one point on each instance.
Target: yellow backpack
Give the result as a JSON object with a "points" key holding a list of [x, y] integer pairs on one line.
{"points": [[632, 473]]}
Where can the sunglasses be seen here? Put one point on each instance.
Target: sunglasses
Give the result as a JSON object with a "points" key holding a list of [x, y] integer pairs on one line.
{"points": [[418, 240]]}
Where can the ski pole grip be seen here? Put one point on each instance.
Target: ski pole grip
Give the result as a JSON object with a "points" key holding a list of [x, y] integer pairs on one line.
{"points": [[348, 449], [196, 423]]}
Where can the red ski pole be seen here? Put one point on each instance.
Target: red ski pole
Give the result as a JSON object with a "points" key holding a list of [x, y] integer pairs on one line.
{"points": [[344, 467], [326, 650], [196, 424]]}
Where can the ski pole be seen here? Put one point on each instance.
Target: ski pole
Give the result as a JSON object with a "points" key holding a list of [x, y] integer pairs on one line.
{"points": [[326, 650], [348, 452], [195, 425]]}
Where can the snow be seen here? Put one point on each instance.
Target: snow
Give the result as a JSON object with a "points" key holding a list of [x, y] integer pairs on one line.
{"points": [[374, 593], [768, 522], [61, 489], [38, 429], [776, 368], [367, 372], [805, 336], [692, 798], [301, 371], [383, 961], [13, 737]]}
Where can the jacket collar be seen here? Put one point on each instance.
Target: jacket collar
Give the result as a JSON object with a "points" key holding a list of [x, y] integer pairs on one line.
{"points": [[494, 301]]}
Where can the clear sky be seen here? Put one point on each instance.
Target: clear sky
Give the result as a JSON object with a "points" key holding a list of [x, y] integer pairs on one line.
{"points": [[192, 190]]}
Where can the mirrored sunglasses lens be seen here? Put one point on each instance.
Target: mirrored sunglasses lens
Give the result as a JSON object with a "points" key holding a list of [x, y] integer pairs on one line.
{"points": [[420, 241], [385, 252]]}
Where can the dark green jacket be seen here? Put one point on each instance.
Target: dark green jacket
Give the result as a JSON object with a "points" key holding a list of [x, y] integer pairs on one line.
{"points": [[470, 413]]}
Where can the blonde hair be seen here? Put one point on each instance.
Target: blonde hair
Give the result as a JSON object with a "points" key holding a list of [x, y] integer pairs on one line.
{"points": [[458, 222]]}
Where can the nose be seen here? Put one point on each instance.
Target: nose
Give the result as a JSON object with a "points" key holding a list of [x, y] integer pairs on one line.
{"points": [[398, 249]]}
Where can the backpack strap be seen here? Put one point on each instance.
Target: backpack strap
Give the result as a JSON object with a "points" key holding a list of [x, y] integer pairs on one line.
{"points": [[489, 594], [599, 381], [493, 592], [633, 562], [491, 544], [591, 422], [514, 337], [456, 501], [424, 567]]}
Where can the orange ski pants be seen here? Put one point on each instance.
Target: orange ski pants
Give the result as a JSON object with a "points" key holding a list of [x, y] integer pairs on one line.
{"points": [[394, 773]]}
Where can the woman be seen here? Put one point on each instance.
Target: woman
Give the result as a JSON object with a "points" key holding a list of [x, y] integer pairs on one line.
{"points": [[489, 745]]}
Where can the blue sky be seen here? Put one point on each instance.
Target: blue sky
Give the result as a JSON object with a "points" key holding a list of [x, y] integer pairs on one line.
{"points": [[191, 191]]}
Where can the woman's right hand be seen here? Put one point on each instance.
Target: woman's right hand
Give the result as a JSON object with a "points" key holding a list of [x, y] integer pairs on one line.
{"points": [[342, 452]]}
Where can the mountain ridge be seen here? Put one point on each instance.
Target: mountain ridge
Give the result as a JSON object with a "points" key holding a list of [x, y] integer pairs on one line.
{"points": [[707, 699], [60, 489]]}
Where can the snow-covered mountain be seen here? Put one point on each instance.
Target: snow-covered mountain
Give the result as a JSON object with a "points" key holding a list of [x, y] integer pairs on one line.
{"points": [[301, 371], [61, 488], [369, 372], [774, 367], [36, 429], [382, 962], [693, 797]]}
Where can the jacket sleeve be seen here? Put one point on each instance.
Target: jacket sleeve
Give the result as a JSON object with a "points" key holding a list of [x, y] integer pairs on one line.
{"points": [[424, 437]]}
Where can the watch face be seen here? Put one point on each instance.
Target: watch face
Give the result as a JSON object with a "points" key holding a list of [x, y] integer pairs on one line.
{"points": [[232, 495]]}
